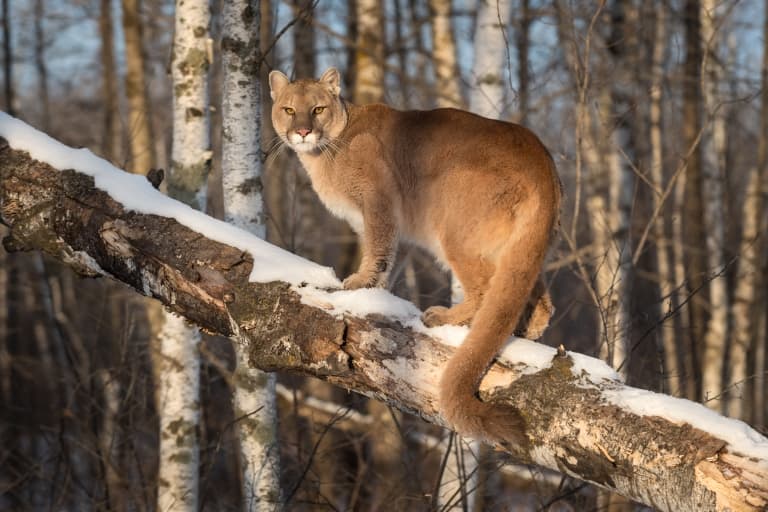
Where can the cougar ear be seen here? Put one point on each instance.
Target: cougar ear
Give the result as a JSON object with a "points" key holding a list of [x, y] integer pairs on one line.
{"points": [[332, 78], [277, 82]]}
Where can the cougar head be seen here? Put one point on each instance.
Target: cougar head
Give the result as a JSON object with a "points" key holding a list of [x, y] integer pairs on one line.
{"points": [[307, 114]]}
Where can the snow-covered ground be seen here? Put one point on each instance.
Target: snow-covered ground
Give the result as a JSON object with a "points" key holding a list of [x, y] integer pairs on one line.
{"points": [[311, 281]]}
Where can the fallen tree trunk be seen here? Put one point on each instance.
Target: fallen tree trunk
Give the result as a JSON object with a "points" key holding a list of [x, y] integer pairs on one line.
{"points": [[580, 420]]}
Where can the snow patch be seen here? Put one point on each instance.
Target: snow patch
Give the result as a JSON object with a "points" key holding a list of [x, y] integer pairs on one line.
{"points": [[740, 437], [592, 368], [137, 194], [361, 303]]}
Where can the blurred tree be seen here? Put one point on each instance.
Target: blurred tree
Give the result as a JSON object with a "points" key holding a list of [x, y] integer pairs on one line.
{"points": [[41, 67], [447, 77], [140, 135], [7, 59], [522, 47], [713, 144], [693, 212], [111, 136], [748, 311]]}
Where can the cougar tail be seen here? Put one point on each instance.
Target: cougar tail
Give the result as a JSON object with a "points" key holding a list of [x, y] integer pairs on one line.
{"points": [[517, 271]]}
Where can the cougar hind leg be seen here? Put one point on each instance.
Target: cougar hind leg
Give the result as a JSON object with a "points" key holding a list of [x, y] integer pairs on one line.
{"points": [[537, 313], [474, 274]]}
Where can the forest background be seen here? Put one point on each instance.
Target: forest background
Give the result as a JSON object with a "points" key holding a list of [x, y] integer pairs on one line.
{"points": [[656, 113]]}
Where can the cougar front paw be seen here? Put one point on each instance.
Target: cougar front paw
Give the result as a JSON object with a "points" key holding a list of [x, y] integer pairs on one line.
{"points": [[359, 280]]}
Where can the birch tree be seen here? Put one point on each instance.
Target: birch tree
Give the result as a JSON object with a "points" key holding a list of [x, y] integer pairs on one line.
{"points": [[254, 394], [179, 378], [491, 69]]}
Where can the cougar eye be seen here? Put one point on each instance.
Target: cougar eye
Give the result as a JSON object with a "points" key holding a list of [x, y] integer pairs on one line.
{"points": [[289, 111], [318, 110]]}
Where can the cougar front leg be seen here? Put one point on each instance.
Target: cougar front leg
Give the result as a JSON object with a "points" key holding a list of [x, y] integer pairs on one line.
{"points": [[379, 243]]}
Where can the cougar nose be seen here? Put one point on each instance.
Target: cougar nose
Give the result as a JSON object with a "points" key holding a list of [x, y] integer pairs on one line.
{"points": [[303, 131]]}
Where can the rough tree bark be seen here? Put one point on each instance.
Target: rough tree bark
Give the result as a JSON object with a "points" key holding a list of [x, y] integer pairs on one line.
{"points": [[574, 422]]}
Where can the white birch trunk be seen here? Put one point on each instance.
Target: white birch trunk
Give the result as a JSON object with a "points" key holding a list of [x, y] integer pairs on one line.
{"points": [[713, 155], [491, 64], [179, 378], [179, 411], [444, 55], [254, 393], [191, 154]]}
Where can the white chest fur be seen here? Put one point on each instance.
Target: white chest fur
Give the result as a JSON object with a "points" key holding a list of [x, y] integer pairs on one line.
{"points": [[330, 194], [345, 211]]}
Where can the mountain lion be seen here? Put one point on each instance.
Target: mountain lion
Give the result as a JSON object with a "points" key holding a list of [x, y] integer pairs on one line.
{"points": [[482, 196]]}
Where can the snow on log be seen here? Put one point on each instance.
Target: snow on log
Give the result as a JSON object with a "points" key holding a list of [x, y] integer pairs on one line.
{"points": [[665, 452]]}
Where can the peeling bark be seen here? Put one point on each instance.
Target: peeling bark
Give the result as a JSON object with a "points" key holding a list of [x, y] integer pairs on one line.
{"points": [[571, 424]]}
